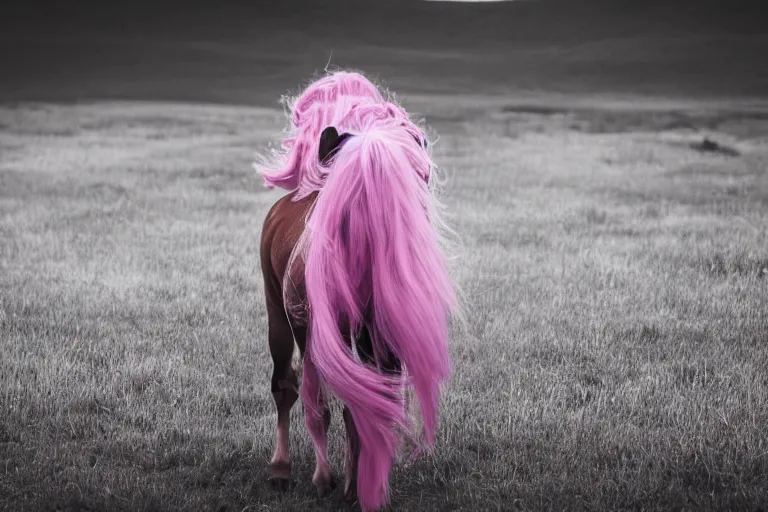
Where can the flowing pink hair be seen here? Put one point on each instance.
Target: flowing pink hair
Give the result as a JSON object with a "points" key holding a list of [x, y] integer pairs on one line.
{"points": [[323, 103], [373, 259]]}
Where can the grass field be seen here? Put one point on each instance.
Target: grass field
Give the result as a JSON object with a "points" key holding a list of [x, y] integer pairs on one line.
{"points": [[617, 289]]}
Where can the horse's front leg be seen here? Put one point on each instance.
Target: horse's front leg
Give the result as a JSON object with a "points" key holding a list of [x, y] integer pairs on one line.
{"points": [[318, 418]]}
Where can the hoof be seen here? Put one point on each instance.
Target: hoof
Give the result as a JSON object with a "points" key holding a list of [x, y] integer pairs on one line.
{"points": [[279, 484], [324, 489], [281, 475], [350, 494]]}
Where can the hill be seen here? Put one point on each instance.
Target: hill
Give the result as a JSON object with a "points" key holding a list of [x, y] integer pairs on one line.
{"points": [[239, 52]]}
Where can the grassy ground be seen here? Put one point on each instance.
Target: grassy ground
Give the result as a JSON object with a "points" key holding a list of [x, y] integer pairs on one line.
{"points": [[617, 286]]}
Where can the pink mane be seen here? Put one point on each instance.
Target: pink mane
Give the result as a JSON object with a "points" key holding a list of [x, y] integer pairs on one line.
{"points": [[323, 103]]}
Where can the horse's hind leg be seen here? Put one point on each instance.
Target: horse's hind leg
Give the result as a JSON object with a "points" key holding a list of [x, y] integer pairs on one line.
{"points": [[284, 391], [351, 455], [391, 365]]}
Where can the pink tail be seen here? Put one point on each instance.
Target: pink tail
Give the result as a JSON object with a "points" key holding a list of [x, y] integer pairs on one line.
{"points": [[373, 257]]}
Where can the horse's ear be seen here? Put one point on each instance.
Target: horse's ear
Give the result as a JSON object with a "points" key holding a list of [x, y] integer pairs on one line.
{"points": [[329, 143]]}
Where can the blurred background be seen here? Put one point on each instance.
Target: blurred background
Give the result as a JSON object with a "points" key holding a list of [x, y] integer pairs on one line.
{"points": [[251, 52]]}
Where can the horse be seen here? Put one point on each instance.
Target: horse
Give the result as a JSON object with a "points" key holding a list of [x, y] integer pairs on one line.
{"points": [[355, 275]]}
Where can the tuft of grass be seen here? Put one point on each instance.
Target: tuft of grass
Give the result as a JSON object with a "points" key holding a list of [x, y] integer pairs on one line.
{"points": [[614, 359]]}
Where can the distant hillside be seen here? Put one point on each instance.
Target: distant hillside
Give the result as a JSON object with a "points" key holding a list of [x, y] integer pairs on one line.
{"points": [[401, 22], [252, 51]]}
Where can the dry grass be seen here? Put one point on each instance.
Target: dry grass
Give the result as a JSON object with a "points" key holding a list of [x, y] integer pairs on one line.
{"points": [[617, 286]]}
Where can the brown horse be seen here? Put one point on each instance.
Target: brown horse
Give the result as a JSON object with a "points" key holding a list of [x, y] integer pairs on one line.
{"points": [[352, 272]]}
